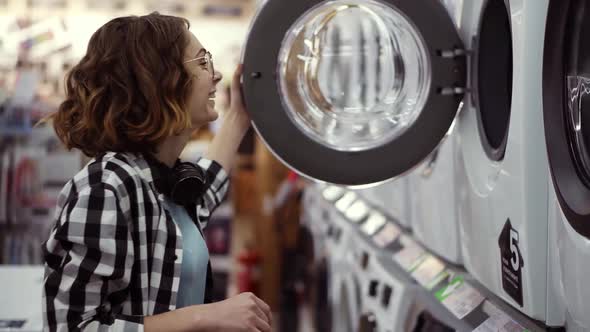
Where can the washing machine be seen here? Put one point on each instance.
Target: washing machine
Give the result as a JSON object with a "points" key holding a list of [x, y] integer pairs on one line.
{"points": [[387, 293], [434, 208], [392, 198], [388, 298], [395, 276], [345, 281], [392, 299], [362, 222], [317, 200], [433, 186], [354, 92], [504, 224], [566, 89]]}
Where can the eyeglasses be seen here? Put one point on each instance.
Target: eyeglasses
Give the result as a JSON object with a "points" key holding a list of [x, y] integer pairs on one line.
{"points": [[208, 60]]}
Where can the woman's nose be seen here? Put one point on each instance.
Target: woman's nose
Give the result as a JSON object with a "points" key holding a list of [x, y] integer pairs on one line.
{"points": [[217, 76]]}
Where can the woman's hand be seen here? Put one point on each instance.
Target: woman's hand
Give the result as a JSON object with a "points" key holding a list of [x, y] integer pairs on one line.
{"points": [[242, 313], [236, 122], [237, 107]]}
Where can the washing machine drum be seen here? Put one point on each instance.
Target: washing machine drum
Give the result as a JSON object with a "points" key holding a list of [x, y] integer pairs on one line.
{"points": [[352, 91]]}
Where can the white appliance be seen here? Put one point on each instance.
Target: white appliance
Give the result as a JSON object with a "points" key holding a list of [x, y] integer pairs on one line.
{"points": [[344, 280], [392, 300], [316, 205], [365, 253], [504, 230], [433, 189], [566, 88], [389, 295], [392, 198], [21, 307], [402, 102]]}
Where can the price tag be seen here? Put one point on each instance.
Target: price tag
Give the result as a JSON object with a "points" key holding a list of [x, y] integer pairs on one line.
{"points": [[428, 270], [498, 321], [410, 256], [387, 235], [459, 297]]}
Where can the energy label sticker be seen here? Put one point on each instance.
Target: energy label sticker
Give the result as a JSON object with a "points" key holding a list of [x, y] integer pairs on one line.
{"points": [[409, 257], [459, 297]]}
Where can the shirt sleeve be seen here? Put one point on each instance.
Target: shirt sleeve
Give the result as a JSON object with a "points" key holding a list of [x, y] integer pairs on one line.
{"points": [[89, 257], [218, 181]]}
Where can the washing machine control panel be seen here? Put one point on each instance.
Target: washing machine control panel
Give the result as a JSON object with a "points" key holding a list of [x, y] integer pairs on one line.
{"points": [[386, 295], [373, 288]]}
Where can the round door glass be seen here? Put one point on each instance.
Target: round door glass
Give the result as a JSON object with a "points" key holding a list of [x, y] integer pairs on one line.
{"points": [[353, 75], [578, 89]]}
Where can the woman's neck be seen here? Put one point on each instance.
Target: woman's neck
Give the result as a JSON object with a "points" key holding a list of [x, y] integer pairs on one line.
{"points": [[169, 150]]}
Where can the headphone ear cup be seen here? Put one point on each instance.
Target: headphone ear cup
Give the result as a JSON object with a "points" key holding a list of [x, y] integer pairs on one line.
{"points": [[188, 185]]}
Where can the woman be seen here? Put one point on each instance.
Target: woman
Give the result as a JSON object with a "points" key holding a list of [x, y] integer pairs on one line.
{"points": [[127, 252]]}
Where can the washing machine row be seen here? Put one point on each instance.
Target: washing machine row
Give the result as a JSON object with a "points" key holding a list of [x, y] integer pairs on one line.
{"points": [[357, 92], [566, 78], [396, 284], [313, 233], [366, 297]]}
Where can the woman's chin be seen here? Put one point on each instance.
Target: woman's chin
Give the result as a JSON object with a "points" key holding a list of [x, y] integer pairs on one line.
{"points": [[213, 115]]}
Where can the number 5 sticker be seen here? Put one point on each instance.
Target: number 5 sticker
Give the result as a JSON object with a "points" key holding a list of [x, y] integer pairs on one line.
{"points": [[514, 250], [511, 262]]}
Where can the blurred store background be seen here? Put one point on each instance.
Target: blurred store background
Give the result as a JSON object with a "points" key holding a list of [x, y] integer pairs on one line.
{"points": [[40, 40]]}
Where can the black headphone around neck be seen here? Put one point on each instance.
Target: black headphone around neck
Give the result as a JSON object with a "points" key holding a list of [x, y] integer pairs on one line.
{"points": [[184, 184]]}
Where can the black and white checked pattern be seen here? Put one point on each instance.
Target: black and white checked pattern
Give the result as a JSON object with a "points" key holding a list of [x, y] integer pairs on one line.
{"points": [[114, 254]]}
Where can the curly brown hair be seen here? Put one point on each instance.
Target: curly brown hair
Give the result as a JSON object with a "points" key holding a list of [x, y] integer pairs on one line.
{"points": [[128, 93]]}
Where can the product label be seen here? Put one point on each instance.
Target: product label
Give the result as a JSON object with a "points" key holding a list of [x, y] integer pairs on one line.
{"points": [[498, 321], [428, 270], [459, 297], [386, 236], [373, 223], [511, 262], [442, 277], [409, 257]]}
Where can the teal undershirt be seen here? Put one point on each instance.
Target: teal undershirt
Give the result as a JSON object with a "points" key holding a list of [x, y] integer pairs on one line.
{"points": [[193, 275]]}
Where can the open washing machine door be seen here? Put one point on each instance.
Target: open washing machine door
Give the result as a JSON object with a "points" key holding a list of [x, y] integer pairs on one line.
{"points": [[353, 92], [566, 98]]}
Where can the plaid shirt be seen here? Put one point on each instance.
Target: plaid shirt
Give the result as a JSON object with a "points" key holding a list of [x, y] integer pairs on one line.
{"points": [[114, 255]]}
